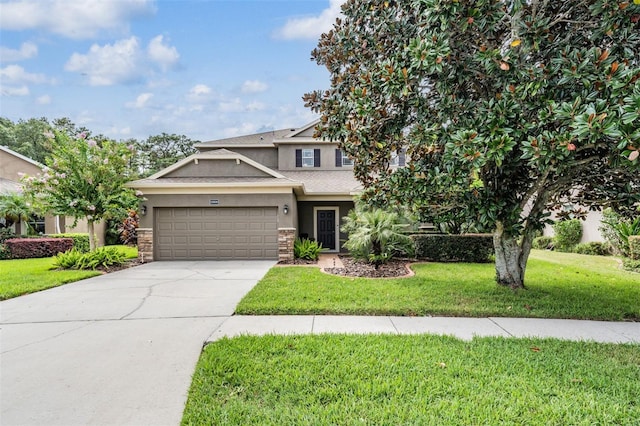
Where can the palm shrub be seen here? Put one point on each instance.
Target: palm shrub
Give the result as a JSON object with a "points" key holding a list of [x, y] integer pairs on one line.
{"points": [[376, 235], [306, 249], [617, 231], [15, 209], [568, 234]]}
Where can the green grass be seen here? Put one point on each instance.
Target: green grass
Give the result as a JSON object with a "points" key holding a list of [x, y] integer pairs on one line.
{"points": [[23, 276], [413, 380], [559, 285]]}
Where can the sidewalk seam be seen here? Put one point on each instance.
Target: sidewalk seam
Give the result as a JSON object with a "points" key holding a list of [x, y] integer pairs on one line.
{"points": [[394, 325], [501, 327]]}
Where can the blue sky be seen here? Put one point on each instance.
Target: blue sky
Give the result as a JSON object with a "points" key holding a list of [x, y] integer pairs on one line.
{"points": [[207, 69]]}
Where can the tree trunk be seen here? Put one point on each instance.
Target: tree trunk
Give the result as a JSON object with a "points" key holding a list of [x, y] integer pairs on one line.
{"points": [[511, 257], [92, 236]]}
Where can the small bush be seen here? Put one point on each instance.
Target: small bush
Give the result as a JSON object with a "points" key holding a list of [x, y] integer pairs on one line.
{"points": [[69, 259], [543, 243], [306, 249], [80, 240], [568, 234], [129, 228], [100, 258], [474, 248], [27, 248], [4, 252], [594, 248], [632, 265], [634, 247], [6, 234]]}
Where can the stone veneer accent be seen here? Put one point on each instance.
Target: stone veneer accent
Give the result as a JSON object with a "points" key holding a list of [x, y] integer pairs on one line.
{"points": [[145, 245], [286, 238]]}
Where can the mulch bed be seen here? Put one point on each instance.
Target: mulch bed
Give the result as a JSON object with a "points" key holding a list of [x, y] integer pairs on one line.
{"points": [[357, 268], [127, 264]]}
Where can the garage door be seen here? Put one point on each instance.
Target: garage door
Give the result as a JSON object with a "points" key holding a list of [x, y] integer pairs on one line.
{"points": [[216, 233]]}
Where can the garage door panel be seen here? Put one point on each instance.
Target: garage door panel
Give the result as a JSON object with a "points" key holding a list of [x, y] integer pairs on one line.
{"points": [[216, 233]]}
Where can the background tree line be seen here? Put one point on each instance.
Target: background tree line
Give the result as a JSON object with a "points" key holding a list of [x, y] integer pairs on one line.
{"points": [[28, 137]]}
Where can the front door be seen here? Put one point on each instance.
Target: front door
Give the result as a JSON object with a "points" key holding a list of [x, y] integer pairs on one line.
{"points": [[326, 228]]}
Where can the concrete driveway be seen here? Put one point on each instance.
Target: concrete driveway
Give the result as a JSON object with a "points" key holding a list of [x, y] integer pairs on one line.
{"points": [[115, 349]]}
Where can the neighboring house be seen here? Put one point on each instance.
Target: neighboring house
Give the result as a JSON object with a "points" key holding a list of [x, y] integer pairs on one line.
{"points": [[12, 167], [247, 197]]}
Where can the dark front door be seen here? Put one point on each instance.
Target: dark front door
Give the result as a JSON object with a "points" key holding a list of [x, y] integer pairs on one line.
{"points": [[326, 225]]}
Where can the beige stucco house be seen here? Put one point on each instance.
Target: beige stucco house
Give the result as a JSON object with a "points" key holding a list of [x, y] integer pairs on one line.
{"points": [[12, 167], [247, 197]]}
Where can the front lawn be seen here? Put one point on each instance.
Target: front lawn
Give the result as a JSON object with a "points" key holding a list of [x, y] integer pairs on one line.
{"points": [[23, 276], [560, 285], [418, 380]]}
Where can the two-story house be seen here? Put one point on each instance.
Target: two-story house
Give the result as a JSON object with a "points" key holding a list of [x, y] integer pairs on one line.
{"points": [[247, 197]]}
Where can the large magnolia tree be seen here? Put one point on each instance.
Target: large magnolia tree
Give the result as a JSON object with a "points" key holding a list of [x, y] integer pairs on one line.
{"points": [[84, 179], [507, 108]]}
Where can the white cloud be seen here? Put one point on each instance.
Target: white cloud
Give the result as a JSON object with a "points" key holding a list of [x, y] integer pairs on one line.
{"points": [[200, 90], [78, 19], [141, 101], [109, 64], [254, 86], [256, 106], [239, 130], [14, 91], [27, 50], [43, 100], [310, 27], [199, 96], [162, 54], [15, 74], [233, 105]]}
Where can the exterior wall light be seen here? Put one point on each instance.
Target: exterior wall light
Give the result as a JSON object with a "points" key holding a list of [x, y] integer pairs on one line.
{"points": [[285, 209], [143, 210]]}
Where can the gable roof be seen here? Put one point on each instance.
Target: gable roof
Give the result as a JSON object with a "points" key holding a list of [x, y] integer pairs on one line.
{"points": [[218, 154], [257, 140]]}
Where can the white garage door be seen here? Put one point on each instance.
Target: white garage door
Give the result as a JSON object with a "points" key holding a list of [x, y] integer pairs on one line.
{"points": [[216, 233]]}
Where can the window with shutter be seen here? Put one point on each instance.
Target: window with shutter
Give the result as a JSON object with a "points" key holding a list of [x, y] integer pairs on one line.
{"points": [[307, 158], [316, 158], [346, 161], [338, 158], [298, 158]]}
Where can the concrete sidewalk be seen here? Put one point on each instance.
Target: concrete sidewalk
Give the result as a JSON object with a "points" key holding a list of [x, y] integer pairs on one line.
{"points": [[463, 328]]}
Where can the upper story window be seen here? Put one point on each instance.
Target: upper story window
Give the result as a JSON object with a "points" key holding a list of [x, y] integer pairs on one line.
{"points": [[307, 158], [346, 161], [342, 159]]}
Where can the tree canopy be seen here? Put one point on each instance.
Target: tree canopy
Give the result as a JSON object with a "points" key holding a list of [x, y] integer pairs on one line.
{"points": [[160, 151], [507, 109], [84, 179]]}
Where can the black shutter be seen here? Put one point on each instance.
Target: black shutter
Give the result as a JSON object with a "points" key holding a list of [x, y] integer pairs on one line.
{"points": [[316, 158], [298, 158], [402, 157], [338, 158]]}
